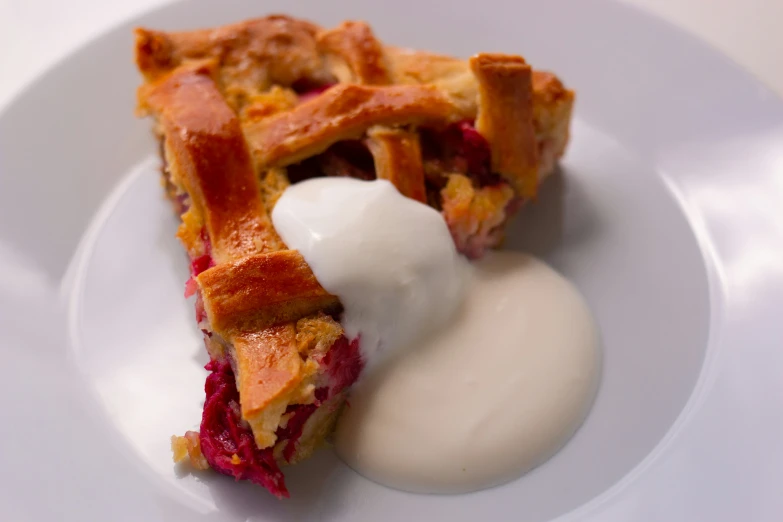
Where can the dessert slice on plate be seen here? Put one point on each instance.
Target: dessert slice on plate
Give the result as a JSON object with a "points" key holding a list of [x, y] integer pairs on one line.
{"points": [[244, 110]]}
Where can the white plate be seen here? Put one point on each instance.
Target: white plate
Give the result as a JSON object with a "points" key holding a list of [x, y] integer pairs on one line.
{"points": [[667, 217]]}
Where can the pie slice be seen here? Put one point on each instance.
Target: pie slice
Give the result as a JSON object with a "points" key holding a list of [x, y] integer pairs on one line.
{"points": [[244, 110]]}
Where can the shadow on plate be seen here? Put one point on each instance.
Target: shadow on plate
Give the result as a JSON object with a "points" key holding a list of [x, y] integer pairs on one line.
{"points": [[310, 483], [540, 226]]}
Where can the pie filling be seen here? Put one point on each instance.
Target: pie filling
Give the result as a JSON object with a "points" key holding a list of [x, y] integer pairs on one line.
{"points": [[226, 440]]}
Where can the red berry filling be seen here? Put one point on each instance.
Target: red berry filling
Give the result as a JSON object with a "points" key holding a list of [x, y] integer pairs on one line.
{"points": [[226, 442], [474, 148], [458, 148], [190, 287], [348, 158], [293, 429], [343, 364], [307, 90], [199, 264]]}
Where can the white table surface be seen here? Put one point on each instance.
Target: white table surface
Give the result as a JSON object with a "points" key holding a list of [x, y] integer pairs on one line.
{"points": [[34, 34]]}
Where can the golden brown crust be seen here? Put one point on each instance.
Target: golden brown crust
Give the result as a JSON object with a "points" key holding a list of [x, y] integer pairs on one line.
{"points": [[474, 214], [505, 118], [284, 47], [253, 56], [189, 446], [273, 184], [250, 56], [450, 75], [353, 54], [315, 334], [552, 108], [272, 374], [343, 112], [261, 290], [409, 66], [189, 231], [552, 102], [266, 366], [260, 106], [207, 153], [397, 157], [254, 283]]}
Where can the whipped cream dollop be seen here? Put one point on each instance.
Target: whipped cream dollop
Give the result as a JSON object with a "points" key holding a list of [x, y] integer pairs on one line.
{"points": [[391, 260]]}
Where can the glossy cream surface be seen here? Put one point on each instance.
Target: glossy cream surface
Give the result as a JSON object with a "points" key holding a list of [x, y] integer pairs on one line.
{"points": [[476, 374], [488, 398], [389, 259]]}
